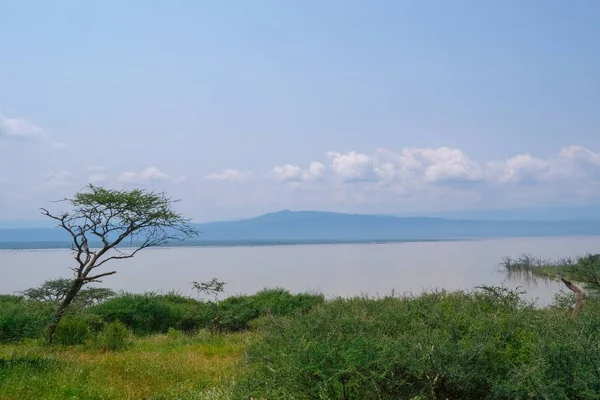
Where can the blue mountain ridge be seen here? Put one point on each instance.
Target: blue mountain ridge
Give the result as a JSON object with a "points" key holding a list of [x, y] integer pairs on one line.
{"points": [[328, 227]]}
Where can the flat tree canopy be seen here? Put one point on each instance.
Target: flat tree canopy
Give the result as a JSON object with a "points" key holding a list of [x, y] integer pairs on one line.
{"points": [[107, 224]]}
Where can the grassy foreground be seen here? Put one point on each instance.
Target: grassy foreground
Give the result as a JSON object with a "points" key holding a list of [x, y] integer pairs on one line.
{"points": [[488, 343], [164, 366]]}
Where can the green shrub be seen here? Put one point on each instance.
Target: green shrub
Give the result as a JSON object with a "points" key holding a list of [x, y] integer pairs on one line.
{"points": [[10, 298], [23, 319], [486, 344], [113, 337], [236, 312], [174, 334], [151, 313], [72, 330]]}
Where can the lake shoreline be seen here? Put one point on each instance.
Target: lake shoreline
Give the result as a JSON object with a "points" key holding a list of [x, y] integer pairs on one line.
{"points": [[14, 246]]}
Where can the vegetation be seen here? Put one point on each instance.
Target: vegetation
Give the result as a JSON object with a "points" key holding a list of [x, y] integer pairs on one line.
{"points": [[488, 343], [159, 367], [582, 269], [55, 290], [111, 217]]}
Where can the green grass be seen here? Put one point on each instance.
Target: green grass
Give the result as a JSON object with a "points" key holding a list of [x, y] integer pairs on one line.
{"points": [[484, 344], [167, 366]]}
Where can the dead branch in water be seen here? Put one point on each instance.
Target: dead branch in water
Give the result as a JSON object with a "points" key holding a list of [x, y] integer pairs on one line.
{"points": [[578, 296]]}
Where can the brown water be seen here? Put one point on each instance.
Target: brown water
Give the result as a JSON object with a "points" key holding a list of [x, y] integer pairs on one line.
{"points": [[345, 270]]}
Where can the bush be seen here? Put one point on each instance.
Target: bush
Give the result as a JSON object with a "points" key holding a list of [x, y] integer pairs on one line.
{"points": [[150, 313], [114, 336], [175, 335], [72, 330], [458, 345], [20, 319], [10, 298], [236, 312]]}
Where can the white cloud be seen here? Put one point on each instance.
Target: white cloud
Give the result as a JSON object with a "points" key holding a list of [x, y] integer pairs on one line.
{"points": [[352, 167], [445, 164], [438, 165], [59, 145], [576, 162], [410, 165], [572, 163], [522, 168], [57, 179], [18, 128], [383, 181], [229, 175], [150, 174], [294, 173], [580, 153]]}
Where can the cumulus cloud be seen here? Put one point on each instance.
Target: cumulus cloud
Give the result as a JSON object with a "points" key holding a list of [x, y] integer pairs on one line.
{"points": [[229, 175], [429, 165], [576, 162], [522, 168], [148, 175], [57, 179], [580, 153], [352, 167], [426, 165], [294, 173], [572, 163], [411, 168], [18, 128]]}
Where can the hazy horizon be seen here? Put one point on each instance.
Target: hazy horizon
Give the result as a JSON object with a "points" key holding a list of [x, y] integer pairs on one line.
{"points": [[572, 213]]}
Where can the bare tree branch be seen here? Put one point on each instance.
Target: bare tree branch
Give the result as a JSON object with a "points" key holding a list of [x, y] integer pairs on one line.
{"points": [[96, 277]]}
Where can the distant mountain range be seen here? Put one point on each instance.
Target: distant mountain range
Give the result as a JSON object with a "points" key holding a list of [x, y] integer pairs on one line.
{"points": [[324, 227]]}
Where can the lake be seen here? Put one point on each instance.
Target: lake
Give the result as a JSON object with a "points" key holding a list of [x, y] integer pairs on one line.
{"points": [[340, 269]]}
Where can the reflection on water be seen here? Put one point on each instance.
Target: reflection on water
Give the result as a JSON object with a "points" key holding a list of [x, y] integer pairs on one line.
{"points": [[344, 270]]}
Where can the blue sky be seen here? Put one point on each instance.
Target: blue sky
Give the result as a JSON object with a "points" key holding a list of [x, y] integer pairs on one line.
{"points": [[246, 107]]}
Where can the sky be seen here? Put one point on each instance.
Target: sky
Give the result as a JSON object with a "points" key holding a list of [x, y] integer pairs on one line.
{"points": [[245, 107]]}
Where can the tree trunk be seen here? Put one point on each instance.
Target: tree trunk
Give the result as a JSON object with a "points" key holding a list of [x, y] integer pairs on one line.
{"points": [[578, 297], [75, 287]]}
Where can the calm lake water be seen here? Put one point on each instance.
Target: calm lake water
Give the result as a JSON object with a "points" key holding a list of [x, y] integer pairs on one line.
{"points": [[345, 270]]}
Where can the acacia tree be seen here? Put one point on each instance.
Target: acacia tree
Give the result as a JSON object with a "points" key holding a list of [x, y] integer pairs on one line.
{"points": [[106, 224], [55, 290]]}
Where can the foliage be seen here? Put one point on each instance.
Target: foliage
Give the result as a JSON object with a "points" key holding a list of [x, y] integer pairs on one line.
{"points": [[72, 331], [10, 298], [56, 290], [457, 345], [113, 337], [237, 312], [152, 313], [212, 287], [21, 319]]}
